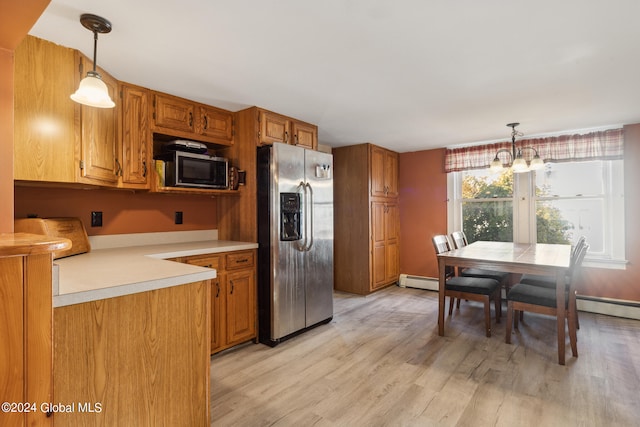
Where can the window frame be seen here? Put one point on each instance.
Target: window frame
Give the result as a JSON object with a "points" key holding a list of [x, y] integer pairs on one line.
{"points": [[524, 211]]}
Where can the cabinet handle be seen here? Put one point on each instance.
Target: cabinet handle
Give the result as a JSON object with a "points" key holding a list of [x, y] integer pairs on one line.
{"points": [[231, 288], [217, 289], [286, 137], [118, 168], [206, 122], [190, 119], [144, 168], [242, 260], [296, 139]]}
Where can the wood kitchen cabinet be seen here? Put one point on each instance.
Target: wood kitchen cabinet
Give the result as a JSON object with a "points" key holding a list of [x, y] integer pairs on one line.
{"points": [[366, 218], [384, 172], [135, 149], [187, 119], [55, 139], [233, 297], [99, 140], [275, 127]]}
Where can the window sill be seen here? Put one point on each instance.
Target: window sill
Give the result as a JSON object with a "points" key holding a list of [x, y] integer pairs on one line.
{"points": [[612, 264]]}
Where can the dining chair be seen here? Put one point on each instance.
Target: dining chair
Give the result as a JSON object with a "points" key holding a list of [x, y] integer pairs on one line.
{"points": [[479, 289], [543, 300], [550, 281], [504, 278]]}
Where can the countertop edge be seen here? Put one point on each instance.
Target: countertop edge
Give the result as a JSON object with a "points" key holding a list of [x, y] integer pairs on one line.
{"points": [[158, 252]]}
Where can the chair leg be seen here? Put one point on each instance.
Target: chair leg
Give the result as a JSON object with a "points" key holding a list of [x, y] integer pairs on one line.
{"points": [[451, 300], [458, 304], [573, 336], [487, 316], [518, 313], [497, 301], [507, 337]]}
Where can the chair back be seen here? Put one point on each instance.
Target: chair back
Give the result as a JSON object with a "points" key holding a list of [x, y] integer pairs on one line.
{"points": [[577, 248], [459, 239], [441, 243], [576, 265]]}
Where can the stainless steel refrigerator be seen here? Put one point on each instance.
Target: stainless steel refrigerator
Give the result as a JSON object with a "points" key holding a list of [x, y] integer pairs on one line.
{"points": [[295, 236]]}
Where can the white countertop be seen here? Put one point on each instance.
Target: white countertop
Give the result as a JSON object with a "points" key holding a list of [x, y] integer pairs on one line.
{"points": [[109, 273]]}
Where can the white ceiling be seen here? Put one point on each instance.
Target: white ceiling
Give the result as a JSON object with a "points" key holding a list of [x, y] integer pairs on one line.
{"points": [[408, 75]]}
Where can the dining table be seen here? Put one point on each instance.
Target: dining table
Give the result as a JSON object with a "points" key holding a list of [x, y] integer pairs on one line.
{"points": [[521, 258]]}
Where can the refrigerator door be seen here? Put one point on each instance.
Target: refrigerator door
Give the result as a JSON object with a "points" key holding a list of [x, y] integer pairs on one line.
{"points": [[318, 256], [287, 281]]}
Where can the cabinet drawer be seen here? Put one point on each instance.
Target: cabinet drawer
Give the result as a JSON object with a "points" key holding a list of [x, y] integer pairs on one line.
{"points": [[208, 261], [237, 260]]}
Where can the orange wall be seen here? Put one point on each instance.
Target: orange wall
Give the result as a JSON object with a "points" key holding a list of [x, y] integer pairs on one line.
{"points": [[423, 213], [122, 211], [423, 210]]}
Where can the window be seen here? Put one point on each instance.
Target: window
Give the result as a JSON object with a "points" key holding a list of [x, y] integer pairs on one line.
{"points": [[555, 205]]}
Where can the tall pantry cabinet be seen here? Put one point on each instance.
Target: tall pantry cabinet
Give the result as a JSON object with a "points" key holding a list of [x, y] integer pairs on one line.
{"points": [[366, 217]]}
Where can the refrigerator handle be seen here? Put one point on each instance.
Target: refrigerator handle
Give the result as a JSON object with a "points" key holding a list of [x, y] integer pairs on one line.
{"points": [[302, 246], [309, 217]]}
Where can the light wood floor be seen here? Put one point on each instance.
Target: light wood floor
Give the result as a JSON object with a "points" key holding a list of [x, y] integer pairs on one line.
{"points": [[380, 362]]}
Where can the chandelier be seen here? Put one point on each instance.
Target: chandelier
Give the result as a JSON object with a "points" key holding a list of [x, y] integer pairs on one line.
{"points": [[517, 163]]}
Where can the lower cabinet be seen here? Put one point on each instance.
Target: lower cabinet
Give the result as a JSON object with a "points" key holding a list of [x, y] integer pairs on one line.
{"points": [[233, 297]]}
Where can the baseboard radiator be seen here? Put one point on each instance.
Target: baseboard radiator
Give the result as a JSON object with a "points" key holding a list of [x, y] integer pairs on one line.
{"points": [[610, 307], [419, 282]]}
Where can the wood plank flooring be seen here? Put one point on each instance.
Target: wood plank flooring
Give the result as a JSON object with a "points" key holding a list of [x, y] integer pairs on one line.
{"points": [[380, 362]]}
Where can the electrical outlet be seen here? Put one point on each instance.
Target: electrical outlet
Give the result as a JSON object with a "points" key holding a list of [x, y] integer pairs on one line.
{"points": [[178, 217], [96, 219]]}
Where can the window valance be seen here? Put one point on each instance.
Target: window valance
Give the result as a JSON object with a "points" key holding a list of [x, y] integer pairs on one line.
{"points": [[600, 145]]}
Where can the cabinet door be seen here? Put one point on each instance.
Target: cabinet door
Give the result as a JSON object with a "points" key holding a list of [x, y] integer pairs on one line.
{"points": [[378, 237], [218, 307], [273, 128], [385, 265], [241, 309], [384, 172], [135, 137], [218, 316], [391, 173], [99, 136], [216, 123], [44, 116], [392, 242], [377, 172], [173, 113], [305, 135]]}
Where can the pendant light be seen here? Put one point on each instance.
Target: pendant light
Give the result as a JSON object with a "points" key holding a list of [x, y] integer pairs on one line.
{"points": [[518, 163], [92, 90]]}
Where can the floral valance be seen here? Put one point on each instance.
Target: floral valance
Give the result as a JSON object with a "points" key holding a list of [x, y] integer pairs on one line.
{"points": [[600, 145]]}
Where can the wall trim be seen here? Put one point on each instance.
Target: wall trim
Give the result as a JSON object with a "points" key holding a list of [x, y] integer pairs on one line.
{"points": [[607, 306], [108, 241]]}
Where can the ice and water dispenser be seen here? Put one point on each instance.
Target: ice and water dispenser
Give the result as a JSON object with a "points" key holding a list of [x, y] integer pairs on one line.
{"points": [[290, 213]]}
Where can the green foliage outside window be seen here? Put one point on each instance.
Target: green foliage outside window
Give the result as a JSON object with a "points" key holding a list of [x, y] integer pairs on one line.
{"points": [[493, 220]]}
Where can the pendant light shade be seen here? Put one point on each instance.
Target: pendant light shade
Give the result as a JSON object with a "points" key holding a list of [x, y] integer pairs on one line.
{"points": [[92, 90]]}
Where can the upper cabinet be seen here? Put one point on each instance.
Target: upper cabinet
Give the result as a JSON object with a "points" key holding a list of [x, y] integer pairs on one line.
{"points": [[384, 172], [187, 119], [56, 139], [275, 127], [135, 149], [99, 138]]}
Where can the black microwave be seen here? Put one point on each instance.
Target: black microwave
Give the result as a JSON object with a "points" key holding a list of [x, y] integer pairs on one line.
{"points": [[184, 169]]}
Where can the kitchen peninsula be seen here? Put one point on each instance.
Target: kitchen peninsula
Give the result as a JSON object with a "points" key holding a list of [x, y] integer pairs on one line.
{"points": [[132, 332]]}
